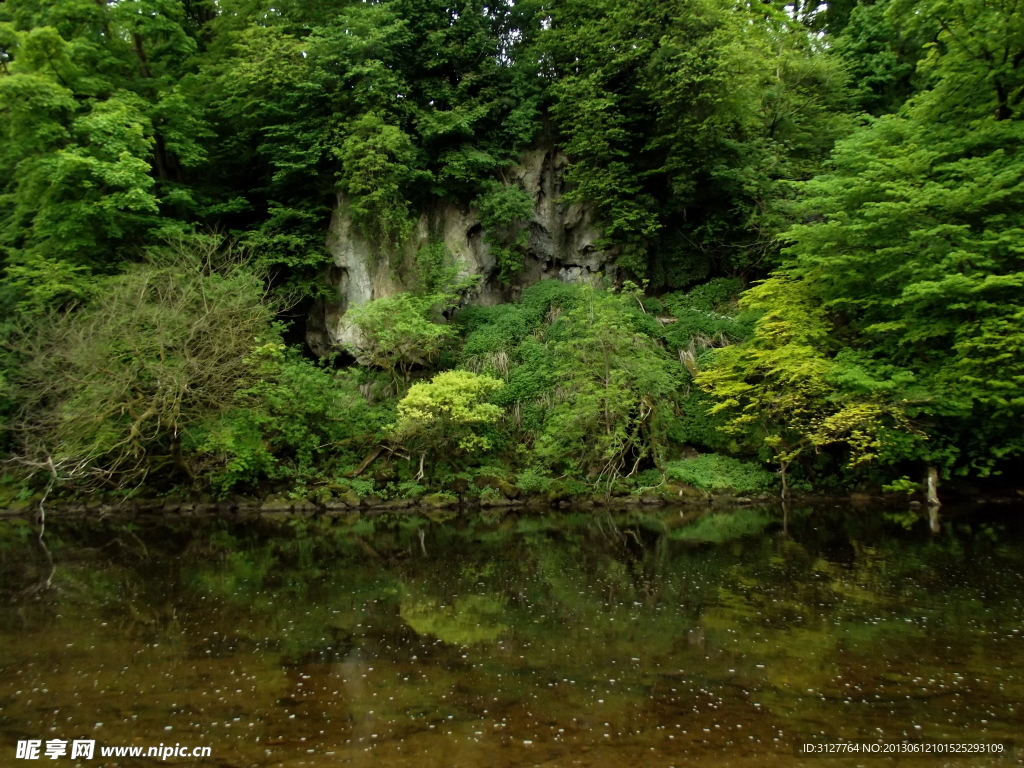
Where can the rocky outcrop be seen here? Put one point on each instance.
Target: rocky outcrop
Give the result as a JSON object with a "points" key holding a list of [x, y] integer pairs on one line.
{"points": [[560, 244]]}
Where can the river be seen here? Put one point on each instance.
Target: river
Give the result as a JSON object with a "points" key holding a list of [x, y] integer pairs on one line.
{"points": [[643, 638]]}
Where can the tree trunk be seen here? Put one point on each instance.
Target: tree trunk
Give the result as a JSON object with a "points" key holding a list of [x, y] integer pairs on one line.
{"points": [[140, 52], [785, 482], [932, 486]]}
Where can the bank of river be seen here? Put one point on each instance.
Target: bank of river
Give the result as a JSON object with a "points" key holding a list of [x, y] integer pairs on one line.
{"points": [[643, 637]]}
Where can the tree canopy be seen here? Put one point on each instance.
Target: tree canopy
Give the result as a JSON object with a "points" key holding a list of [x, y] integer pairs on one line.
{"points": [[815, 211]]}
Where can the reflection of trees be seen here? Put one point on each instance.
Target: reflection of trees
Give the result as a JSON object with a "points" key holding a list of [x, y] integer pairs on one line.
{"points": [[537, 601]]}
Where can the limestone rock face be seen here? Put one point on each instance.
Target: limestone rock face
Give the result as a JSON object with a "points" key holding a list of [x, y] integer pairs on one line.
{"points": [[560, 245]]}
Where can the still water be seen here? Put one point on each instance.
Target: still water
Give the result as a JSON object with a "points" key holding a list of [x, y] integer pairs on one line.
{"points": [[629, 639]]}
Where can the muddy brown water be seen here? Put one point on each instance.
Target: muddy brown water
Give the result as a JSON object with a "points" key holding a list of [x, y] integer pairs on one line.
{"points": [[638, 639]]}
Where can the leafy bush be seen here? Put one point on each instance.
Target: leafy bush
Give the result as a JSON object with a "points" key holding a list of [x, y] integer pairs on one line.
{"points": [[295, 421], [447, 413], [615, 387], [503, 209], [399, 332], [378, 162], [491, 330], [533, 481], [649, 478], [714, 472], [713, 296], [107, 393], [705, 318]]}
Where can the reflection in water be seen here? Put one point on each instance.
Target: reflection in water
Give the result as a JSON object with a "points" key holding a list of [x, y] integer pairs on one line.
{"points": [[643, 639]]}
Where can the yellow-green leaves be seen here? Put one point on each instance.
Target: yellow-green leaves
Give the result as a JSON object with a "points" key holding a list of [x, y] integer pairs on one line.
{"points": [[782, 389], [448, 412]]}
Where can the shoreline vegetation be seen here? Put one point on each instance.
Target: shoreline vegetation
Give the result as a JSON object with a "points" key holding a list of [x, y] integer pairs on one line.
{"points": [[295, 252]]}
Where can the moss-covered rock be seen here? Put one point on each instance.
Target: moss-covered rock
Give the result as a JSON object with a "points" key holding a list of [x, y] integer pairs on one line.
{"points": [[343, 496], [276, 504], [508, 490], [439, 500]]}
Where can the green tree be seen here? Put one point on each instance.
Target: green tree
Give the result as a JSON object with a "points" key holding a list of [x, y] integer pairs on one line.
{"points": [[447, 413], [107, 394], [614, 392], [911, 250], [504, 208], [785, 394], [97, 131], [377, 161], [394, 103], [400, 332], [902, 283], [880, 61], [683, 123]]}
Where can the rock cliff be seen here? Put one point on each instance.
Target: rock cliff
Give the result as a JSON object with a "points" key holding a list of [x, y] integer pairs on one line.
{"points": [[560, 244]]}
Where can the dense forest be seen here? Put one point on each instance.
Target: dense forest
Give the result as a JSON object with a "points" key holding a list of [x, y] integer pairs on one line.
{"points": [[811, 219]]}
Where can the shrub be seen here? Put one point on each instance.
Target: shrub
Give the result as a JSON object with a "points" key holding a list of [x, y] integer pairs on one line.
{"points": [[107, 393], [447, 413], [713, 472], [296, 420], [615, 390], [399, 332]]}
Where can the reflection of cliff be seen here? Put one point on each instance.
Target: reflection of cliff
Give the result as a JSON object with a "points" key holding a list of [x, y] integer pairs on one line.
{"points": [[560, 244]]}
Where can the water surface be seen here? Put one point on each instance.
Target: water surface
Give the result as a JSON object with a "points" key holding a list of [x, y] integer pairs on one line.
{"points": [[640, 639]]}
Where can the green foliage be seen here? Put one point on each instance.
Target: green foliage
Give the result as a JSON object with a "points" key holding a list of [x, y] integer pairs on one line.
{"points": [[597, 388], [37, 284], [501, 328], [684, 122], [914, 244], [504, 209], [614, 390], [376, 162], [705, 318], [782, 391], [718, 295], [289, 243], [714, 472], [399, 332], [532, 481], [395, 104], [439, 275], [448, 413], [106, 394], [506, 341], [434, 268], [698, 131], [95, 127], [902, 485], [881, 64], [295, 421]]}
